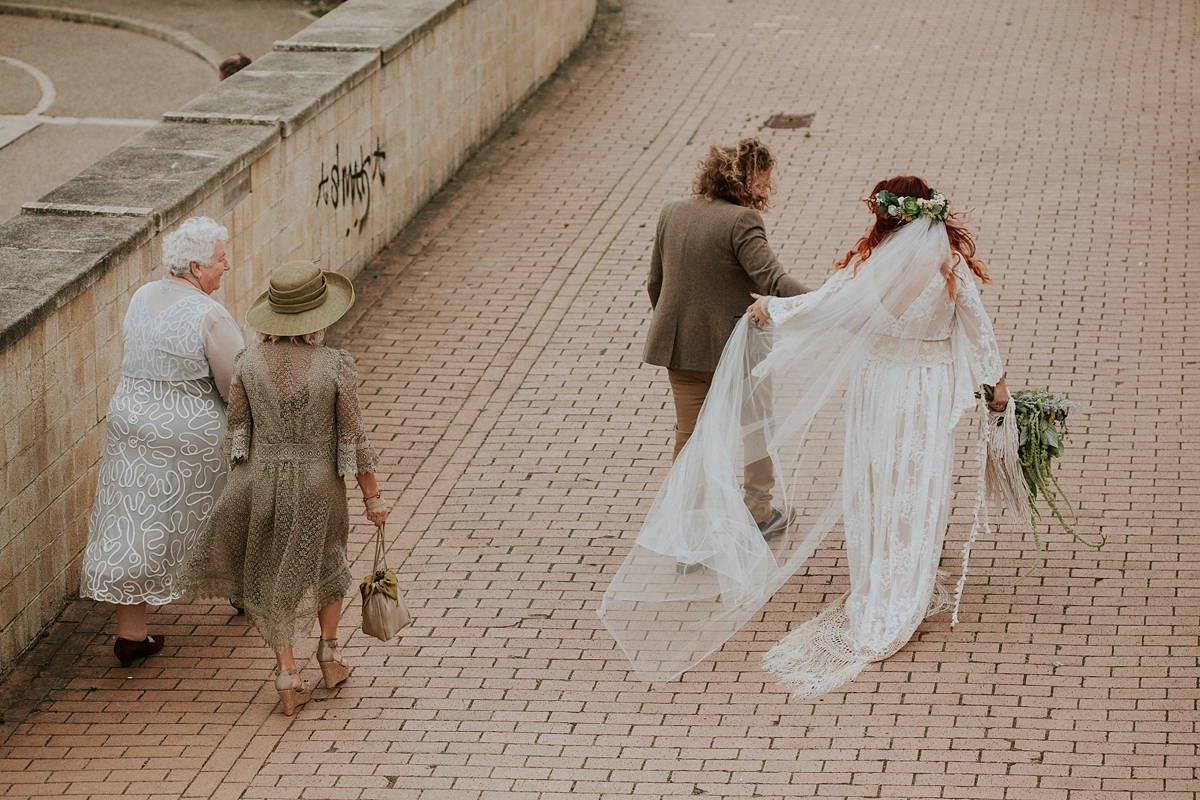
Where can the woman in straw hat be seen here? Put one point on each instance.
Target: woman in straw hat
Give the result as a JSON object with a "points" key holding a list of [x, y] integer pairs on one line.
{"points": [[276, 541]]}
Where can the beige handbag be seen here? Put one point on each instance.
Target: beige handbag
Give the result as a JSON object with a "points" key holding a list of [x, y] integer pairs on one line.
{"points": [[384, 613]]}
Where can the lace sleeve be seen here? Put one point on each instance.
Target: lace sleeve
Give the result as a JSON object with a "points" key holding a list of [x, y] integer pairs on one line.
{"points": [[355, 453], [236, 444], [973, 342], [781, 309], [222, 343], [973, 329]]}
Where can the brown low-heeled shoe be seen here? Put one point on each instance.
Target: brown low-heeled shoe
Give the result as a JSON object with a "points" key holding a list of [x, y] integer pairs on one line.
{"points": [[126, 650]]}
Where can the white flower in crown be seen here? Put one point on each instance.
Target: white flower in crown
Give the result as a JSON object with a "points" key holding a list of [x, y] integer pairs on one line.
{"points": [[887, 204]]}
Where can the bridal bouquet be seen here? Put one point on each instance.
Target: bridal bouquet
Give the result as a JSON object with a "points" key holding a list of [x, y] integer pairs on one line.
{"points": [[1041, 422]]}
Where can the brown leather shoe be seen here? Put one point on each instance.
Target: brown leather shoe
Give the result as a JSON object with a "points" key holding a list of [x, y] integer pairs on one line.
{"points": [[126, 650]]}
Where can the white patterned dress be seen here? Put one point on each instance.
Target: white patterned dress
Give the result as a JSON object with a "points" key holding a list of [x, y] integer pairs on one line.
{"points": [[162, 468], [902, 404]]}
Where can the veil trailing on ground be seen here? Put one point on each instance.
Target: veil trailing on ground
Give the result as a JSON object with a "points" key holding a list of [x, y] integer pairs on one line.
{"points": [[700, 567]]}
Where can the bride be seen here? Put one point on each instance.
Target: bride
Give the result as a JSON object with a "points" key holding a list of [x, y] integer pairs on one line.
{"points": [[853, 392]]}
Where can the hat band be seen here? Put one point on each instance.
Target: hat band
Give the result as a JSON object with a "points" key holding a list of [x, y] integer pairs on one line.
{"points": [[295, 305], [303, 292]]}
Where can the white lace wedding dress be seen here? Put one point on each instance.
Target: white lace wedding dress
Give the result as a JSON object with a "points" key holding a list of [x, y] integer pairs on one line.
{"points": [[162, 468], [853, 392]]}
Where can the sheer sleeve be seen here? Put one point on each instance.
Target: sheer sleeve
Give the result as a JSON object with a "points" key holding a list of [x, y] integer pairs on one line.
{"points": [[222, 343], [781, 309], [976, 355], [236, 444], [355, 453]]}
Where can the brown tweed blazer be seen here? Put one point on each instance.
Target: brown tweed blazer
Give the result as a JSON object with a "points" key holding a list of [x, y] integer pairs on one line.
{"points": [[709, 255]]}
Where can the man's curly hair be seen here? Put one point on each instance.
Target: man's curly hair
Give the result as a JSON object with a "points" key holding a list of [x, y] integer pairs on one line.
{"points": [[727, 173]]}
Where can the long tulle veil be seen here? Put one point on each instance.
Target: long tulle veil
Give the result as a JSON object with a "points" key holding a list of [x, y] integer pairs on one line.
{"points": [[700, 567]]}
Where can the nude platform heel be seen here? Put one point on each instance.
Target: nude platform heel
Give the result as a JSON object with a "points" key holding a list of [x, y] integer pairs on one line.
{"points": [[293, 692], [333, 666]]}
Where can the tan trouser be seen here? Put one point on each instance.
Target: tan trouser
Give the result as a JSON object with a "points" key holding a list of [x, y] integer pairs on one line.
{"points": [[689, 388]]}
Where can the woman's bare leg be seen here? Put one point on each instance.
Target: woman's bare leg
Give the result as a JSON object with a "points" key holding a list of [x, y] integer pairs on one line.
{"points": [[328, 616], [131, 622], [285, 660]]}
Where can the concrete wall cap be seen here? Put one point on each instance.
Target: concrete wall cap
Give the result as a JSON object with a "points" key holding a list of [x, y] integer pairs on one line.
{"points": [[329, 47], [46, 260], [392, 25], [285, 87], [81, 210], [160, 172]]}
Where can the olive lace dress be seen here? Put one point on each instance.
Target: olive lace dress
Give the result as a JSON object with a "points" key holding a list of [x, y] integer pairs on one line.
{"points": [[276, 541]]}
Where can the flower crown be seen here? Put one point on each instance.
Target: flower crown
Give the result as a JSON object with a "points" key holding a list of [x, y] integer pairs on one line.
{"points": [[885, 204]]}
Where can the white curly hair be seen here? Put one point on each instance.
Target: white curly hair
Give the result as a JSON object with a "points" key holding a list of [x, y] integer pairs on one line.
{"points": [[194, 240]]}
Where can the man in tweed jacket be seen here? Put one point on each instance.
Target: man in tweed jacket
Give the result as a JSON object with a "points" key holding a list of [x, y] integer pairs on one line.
{"points": [[710, 253]]}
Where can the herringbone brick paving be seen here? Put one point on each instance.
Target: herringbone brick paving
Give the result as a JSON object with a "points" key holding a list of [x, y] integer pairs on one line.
{"points": [[499, 343]]}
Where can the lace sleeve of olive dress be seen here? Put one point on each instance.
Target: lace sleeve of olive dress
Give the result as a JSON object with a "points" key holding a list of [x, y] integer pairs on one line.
{"points": [[355, 454], [276, 541], [162, 469]]}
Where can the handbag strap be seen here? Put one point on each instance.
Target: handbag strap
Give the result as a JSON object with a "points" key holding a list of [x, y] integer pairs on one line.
{"points": [[380, 550]]}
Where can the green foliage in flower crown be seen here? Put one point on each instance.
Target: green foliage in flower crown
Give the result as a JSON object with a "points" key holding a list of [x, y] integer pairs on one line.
{"points": [[886, 204], [1042, 427]]}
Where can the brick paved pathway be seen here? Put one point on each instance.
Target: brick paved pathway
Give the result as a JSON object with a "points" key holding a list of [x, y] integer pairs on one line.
{"points": [[499, 342]]}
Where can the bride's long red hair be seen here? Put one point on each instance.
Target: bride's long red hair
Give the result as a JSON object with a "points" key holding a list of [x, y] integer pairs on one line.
{"points": [[961, 240]]}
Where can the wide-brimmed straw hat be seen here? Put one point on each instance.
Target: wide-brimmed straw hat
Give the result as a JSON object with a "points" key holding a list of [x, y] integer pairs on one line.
{"points": [[302, 299]]}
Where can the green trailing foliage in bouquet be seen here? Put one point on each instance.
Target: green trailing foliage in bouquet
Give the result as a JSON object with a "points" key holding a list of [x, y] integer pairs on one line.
{"points": [[1042, 429]]}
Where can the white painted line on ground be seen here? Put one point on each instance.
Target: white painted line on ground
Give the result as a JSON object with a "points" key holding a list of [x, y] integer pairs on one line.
{"points": [[43, 81], [180, 39]]}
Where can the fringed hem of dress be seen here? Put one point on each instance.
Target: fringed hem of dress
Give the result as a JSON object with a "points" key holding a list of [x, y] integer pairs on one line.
{"points": [[817, 658], [300, 621]]}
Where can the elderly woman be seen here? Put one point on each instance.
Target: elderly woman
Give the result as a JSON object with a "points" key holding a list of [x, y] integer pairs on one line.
{"points": [[162, 468], [276, 541]]}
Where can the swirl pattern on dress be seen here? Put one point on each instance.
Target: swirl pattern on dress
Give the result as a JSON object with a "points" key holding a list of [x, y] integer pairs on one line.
{"points": [[161, 474], [162, 467]]}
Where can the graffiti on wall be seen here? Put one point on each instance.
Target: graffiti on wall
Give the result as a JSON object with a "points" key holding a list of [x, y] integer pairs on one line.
{"points": [[349, 183]]}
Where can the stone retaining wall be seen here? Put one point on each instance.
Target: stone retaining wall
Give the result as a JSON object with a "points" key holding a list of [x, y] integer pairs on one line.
{"points": [[323, 149]]}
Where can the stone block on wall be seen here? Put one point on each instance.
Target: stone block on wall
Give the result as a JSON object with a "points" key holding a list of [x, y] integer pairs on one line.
{"points": [[285, 88], [45, 261], [160, 172]]}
